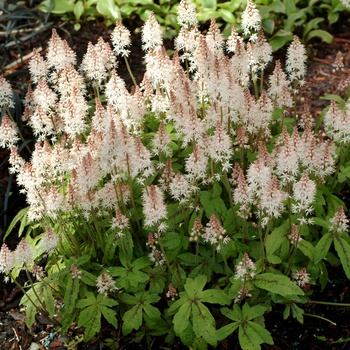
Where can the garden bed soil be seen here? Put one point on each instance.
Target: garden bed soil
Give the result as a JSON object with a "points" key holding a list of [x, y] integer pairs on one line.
{"points": [[316, 333]]}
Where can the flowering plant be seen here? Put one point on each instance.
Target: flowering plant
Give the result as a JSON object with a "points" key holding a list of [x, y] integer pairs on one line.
{"points": [[200, 188]]}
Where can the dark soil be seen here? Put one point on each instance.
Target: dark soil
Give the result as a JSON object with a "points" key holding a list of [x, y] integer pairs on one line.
{"points": [[316, 333]]}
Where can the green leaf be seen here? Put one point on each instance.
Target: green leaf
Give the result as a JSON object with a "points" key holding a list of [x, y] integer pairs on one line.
{"points": [[78, 9], [268, 25], [293, 20], [323, 275], [149, 297], [290, 7], [188, 259], [67, 320], [172, 241], [260, 333], [59, 6], [343, 249], [176, 304], [280, 39], [344, 173], [286, 312], [277, 6], [307, 248], [322, 247], [195, 287], [204, 323], [109, 315], [321, 34], [90, 319], [207, 14], [188, 336], [227, 16], [248, 339], [128, 299], [215, 296], [136, 277], [22, 217], [213, 206], [132, 319], [71, 293], [108, 8], [107, 301], [88, 278], [48, 299], [336, 98], [226, 331], [277, 284], [321, 222], [250, 313], [152, 313], [274, 242], [298, 313], [181, 319], [209, 4], [31, 309], [312, 24], [332, 17], [141, 263], [235, 314]]}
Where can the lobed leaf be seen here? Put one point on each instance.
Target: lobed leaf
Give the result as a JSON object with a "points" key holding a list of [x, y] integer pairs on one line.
{"points": [[204, 323], [181, 319], [215, 296], [322, 247], [132, 319], [343, 249], [71, 293], [226, 331], [195, 287], [90, 319], [109, 315], [277, 284]]}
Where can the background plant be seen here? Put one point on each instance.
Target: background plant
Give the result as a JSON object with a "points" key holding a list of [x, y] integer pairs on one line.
{"points": [[281, 20], [197, 197]]}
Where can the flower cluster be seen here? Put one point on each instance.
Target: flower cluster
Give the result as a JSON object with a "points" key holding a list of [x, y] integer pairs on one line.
{"points": [[301, 277], [105, 284], [215, 234], [190, 169], [22, 258], [155, 255], [339, 222], [245, 269]]}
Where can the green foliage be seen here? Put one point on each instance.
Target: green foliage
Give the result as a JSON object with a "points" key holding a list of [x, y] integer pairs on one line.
{"points": [[141, 309], [92, 309], [38, 298], [281, 19], [251, 334], [193, 319], [275, 283]]}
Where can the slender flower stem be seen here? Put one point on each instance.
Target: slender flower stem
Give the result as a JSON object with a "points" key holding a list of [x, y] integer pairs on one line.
{"points": [[328, 303], [229, 192], [321, 318], [19, 132], [262, 246], [178, 281], [130, 71], [343, 152]]}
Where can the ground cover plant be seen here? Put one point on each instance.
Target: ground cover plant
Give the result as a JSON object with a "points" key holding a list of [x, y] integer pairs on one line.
{"points": [[185, 209], [281, 20]]}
